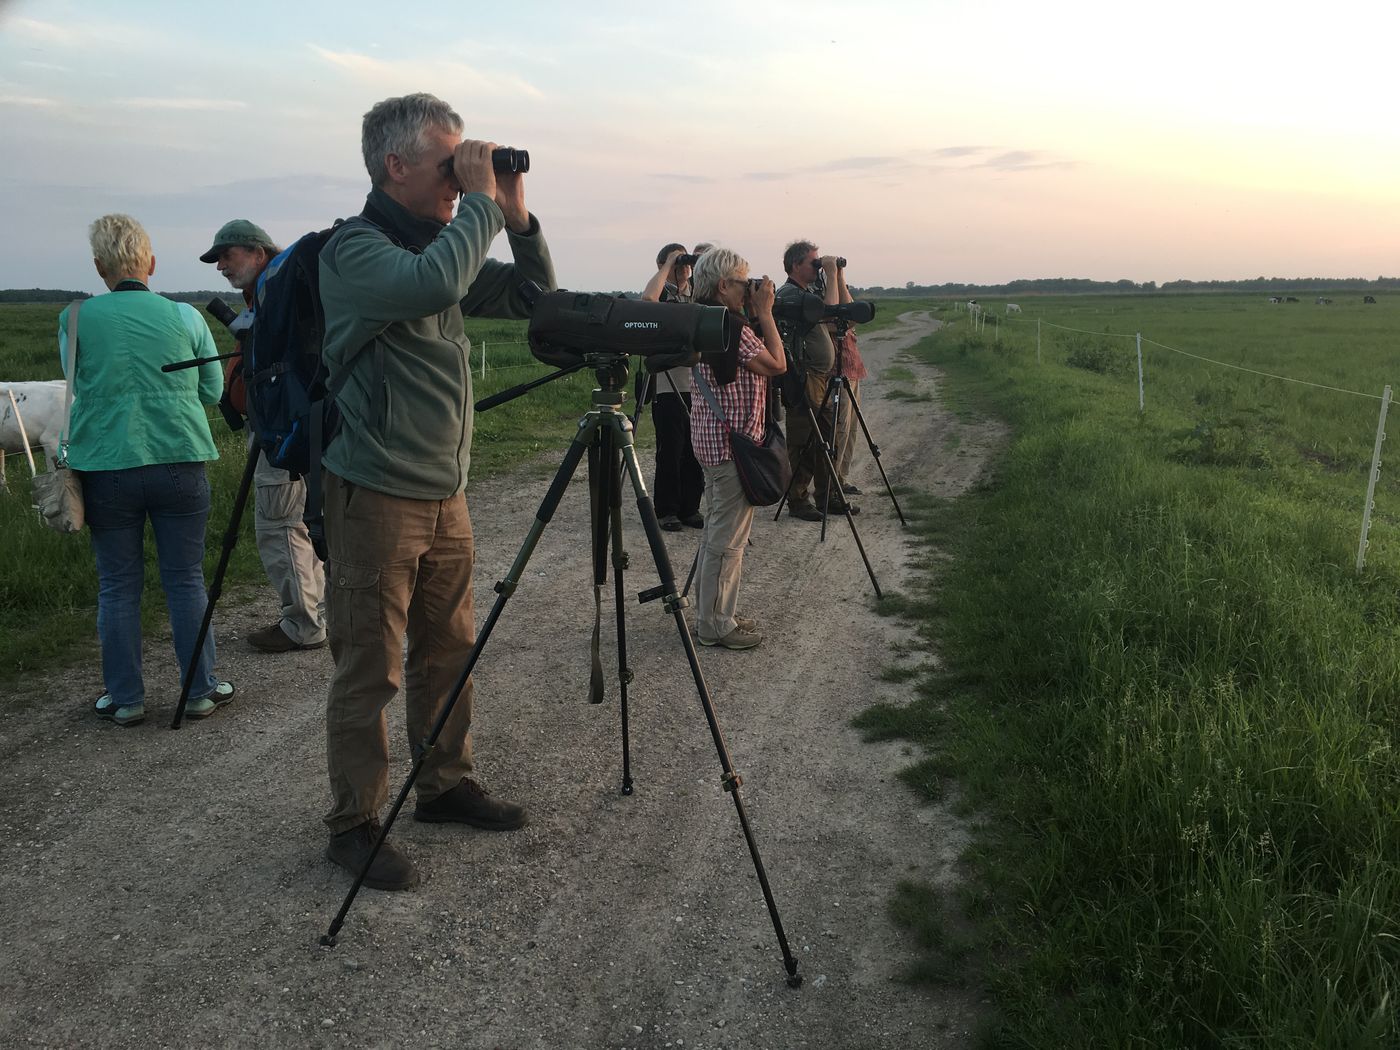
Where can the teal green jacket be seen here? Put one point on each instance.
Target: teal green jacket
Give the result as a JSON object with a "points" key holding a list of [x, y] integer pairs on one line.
{"points": [[395, 346], [126, 411]]}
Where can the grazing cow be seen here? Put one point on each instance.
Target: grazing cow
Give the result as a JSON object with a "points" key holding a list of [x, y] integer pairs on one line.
{"points": [[1275, 298], [1322, 301], [1369, 299], [1012, 308], [40, 407]]}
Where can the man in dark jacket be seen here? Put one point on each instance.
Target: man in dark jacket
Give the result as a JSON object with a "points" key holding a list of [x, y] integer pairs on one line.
{"points": [[242, 250], [395, 289]]}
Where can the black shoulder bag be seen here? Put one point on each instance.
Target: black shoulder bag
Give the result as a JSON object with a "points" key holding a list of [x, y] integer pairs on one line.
{"points": [[763, 467]]}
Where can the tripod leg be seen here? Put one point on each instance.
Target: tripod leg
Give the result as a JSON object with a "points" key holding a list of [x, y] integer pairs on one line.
{"points": [[875, 454], [504, 589], [216, 586], [730, 780], [613, 466], [695, 563], [851, 521]]}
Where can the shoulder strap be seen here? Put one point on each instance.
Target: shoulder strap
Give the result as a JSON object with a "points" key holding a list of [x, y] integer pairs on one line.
{"points": [[709, 396], [73, 309]]}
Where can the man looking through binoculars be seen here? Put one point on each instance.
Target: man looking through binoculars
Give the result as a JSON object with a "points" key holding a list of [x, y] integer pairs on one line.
{"points": [[814, 357], [395, 286]]}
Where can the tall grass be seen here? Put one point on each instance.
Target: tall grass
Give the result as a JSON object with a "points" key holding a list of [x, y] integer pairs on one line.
{"points": [[1170, 688], [48, 583]]}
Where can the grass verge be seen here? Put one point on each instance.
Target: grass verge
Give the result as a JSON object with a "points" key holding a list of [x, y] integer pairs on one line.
{"points": [[1174, 699]]}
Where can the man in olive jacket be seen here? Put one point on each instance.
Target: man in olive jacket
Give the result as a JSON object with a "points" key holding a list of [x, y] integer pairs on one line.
{"points": [[395, 285]]}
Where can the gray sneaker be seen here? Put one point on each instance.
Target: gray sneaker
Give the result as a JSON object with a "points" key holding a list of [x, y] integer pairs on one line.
{"points": [[735, 639]]}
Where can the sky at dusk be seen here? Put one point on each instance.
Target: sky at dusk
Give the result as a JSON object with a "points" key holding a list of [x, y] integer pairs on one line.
{"points": [[926, 142]]}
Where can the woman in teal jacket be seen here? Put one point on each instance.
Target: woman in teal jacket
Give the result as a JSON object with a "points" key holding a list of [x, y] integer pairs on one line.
{"points": [[140, 438]]}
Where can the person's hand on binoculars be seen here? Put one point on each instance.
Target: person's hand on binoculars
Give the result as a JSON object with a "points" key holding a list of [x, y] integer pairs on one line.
{"points": [[828, 265], [471, 167], [761, 298], [679, 275]]}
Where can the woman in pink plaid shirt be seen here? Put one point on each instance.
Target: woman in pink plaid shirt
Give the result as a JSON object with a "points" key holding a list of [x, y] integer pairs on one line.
{"points": [[721, 278]]}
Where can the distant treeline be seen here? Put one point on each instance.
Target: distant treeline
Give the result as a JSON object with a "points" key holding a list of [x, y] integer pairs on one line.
{"points": [[1037, 286], [59, 295], [1084, 286]]}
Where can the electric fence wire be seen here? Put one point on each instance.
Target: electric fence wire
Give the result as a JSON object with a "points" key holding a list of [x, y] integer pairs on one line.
{"points": [[1211, 360]]}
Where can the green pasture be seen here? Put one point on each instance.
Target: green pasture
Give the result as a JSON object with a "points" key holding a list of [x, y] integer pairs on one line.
{"points": [[48, 584], [1166, 690]]}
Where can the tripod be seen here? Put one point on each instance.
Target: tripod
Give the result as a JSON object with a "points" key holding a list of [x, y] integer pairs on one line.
{"points": [[833, 396], [605, 435]]}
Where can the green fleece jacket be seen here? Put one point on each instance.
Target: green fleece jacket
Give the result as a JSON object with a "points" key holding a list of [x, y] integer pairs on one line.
{"points": [[396, 349]]}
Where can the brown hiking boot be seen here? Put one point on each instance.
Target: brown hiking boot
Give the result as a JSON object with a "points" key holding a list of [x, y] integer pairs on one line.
{"points": [[804, 510], [391, 870], [275, 640], [470, 803]]}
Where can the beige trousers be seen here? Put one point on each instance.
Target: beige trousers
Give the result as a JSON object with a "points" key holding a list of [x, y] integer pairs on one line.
{"points": [[397, 567], [284, 546], [728, 518]]}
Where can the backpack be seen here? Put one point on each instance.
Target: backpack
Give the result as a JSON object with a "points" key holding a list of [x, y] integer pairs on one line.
{"points": [[291, 401]]}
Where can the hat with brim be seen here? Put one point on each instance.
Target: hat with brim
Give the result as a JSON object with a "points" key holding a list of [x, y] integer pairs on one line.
{"points": [[238, 233]]}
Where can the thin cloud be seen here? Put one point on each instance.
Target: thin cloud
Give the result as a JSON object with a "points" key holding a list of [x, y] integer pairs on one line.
{"points": [[1023, 160], [27, 100], [217, 104], [679, 177], [379, 71], [49, 67], [44, 32], [857, 163], [766, 176]]}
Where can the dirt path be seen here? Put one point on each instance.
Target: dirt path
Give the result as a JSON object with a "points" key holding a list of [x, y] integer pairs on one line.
{"points": [[168, 889]]}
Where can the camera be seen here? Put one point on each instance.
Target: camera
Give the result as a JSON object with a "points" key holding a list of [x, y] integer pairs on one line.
{"points": [[504, 159]]}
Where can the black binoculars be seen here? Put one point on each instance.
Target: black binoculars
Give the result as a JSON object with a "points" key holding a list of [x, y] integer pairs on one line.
{"points": [[504, 159], [687, 260]]}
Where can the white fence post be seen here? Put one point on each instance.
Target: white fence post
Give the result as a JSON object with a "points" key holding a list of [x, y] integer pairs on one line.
{"points": [[1037, 340], [483, 359], [1142, 407], [1371, 482]]}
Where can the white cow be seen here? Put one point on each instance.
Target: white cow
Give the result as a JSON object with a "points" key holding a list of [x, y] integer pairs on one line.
{"points": [[40, 407], [1012, 308]]}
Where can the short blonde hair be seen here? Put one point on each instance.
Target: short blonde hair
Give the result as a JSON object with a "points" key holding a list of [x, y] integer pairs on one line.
{"points": [[120, 245], [714, 266]]}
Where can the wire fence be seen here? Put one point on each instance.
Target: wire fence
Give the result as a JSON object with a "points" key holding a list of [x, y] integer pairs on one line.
{"points": [[978, 321]]}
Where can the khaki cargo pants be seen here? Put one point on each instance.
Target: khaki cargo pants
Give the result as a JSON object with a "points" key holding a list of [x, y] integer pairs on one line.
{"points": [[397, 567]]}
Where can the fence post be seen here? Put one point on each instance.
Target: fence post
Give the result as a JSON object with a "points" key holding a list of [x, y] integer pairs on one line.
{"points": [[1037, 340], [1141, 402], [1371, 482], [483, 359], [996, 330]]}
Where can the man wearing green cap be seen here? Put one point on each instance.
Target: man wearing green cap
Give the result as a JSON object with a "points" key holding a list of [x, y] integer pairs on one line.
{"points": [[242, 250]]}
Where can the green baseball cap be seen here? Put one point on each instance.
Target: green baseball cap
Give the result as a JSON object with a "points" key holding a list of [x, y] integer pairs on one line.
{"points": [[238, 233]]}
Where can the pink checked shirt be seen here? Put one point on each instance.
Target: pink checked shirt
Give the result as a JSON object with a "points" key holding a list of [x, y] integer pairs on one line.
{"points": [[742, 401]]}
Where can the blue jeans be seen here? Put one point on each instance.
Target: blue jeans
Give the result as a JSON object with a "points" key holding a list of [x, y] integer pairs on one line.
{"points": [[175, 496]]}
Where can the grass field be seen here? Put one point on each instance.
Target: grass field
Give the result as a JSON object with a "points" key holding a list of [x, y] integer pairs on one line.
{"points": [[1167, 688], [48, 584]]}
